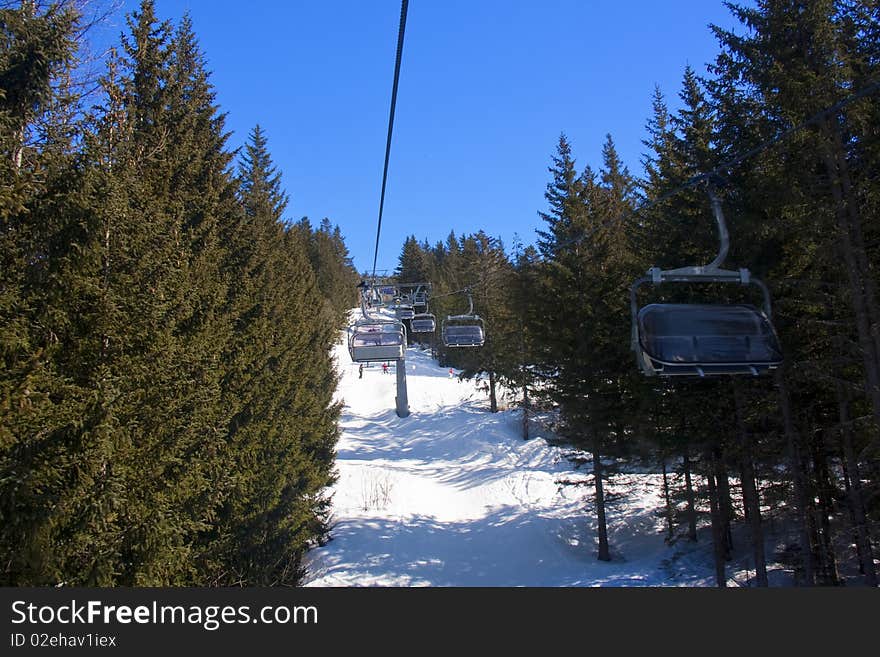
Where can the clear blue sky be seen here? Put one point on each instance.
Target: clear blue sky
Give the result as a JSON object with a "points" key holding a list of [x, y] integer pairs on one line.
{"points": [[486, 88]]}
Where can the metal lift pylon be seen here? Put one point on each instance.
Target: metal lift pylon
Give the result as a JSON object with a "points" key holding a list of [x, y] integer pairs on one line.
{"points": [[401, 400]]}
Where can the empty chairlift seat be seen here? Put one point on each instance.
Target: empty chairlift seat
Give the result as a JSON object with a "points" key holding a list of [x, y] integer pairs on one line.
{"points": [[463, 330], [423, 323], [404, 311], [693, 339], [463, 333], [376, 341]]}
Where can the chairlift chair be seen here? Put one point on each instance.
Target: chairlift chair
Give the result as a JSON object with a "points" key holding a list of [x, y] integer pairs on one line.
{"points": [[373, 339], [686, 339], [423, 323], [465, 330], [404, 311]]}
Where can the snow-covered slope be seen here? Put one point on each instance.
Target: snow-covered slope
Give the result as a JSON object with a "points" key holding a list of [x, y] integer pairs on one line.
{"points": [[452, 496]]}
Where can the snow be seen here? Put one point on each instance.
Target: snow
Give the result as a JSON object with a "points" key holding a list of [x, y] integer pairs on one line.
{"points": [[453, 496]]}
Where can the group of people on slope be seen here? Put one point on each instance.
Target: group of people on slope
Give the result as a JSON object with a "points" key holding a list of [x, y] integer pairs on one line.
{"points": [[361, 370], [385, 370]]}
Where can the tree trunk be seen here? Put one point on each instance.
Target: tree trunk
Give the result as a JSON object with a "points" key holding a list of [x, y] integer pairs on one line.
{"points": [[751, 500], [858, 240], [18, 150], [602, 528], [858, 279], [797, 474], [847, 490], [724, 503], [493, 400], [689, 488], [824, 510], [525, 425], [669, 510], [717, 532], [854, 491]]}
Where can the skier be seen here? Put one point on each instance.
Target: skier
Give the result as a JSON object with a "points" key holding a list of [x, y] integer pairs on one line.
{"points": [[451, 373], [384, 368], [361, 371]]}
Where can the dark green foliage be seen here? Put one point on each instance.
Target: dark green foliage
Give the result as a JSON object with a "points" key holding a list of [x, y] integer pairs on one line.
{"points": [[166, 383], [413, 263], [166, 412], [278, 387], [336, 275]]}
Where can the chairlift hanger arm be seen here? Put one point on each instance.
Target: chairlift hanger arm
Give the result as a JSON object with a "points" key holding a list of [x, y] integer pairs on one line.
{"points": [[711, 273], [723, 234], [470, 303]]}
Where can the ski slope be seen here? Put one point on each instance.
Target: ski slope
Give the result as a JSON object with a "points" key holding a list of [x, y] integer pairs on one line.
{"points": [[453, 496]]}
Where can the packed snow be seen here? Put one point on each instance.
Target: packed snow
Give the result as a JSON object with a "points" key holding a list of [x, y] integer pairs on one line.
{"points": [[453, 496]]}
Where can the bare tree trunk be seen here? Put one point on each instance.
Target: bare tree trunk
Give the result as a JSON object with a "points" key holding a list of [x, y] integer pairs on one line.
{"points": [[847, 489], [717, 532], [493, 400], [724, 503], [858, 241], [602, 528], [18, 151], [854, 491], [797, 474], [751, 501], [669, 510], [525, 405], [689, 490], [859, 284], [823, 511]]}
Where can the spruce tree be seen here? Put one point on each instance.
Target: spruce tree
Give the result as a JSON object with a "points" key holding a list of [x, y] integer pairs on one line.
{"points": [[279, 387]]}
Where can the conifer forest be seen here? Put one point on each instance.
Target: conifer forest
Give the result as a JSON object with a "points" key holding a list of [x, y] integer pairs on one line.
{"points": [[167, 412]]}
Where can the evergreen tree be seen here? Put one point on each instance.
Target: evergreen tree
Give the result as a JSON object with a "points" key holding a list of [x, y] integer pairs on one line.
{"points": [[278, 389], [588, 264], [330, 260], [411, 266], [44, 474]]}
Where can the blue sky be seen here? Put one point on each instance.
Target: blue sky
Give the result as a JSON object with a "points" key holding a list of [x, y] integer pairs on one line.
{"points": [[486, 88]]}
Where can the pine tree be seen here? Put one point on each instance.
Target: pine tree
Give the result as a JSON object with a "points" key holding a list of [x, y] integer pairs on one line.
{"points": [[588, 264], [411, 267], [485, 264], [279, 387], [45, 469], [799, 58], [330, 260]]}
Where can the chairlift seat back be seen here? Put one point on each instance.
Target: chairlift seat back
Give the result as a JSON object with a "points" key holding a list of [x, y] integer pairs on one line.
{"points": [[463, 332], [376, 341], [423, 323], [706, 339], [404, 312]]}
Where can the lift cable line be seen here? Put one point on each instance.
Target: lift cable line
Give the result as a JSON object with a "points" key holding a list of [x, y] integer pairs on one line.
{"points": [[377, 338], [403, 7]]}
